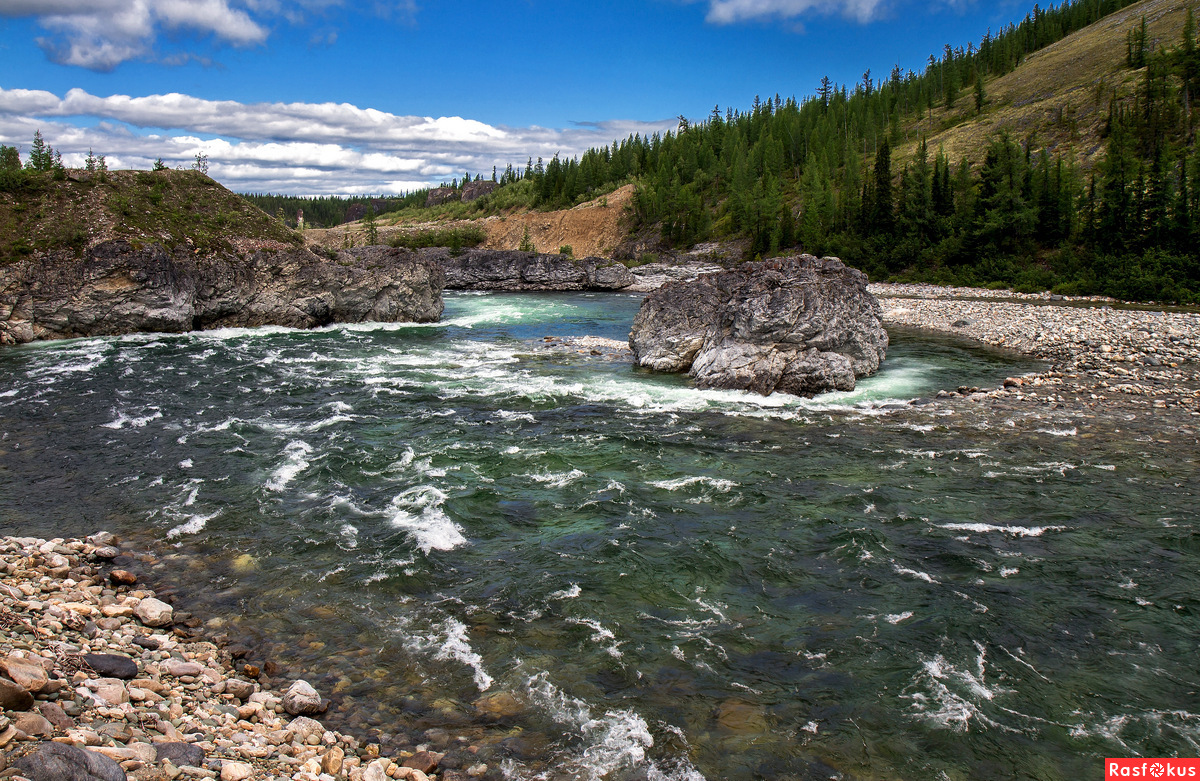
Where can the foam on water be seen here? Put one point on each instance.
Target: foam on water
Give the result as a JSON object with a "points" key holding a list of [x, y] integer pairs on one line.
{"points": [[181, 511], [912, 573], [571, 593], [600, 635], [1016, 531], [296, 461], [418, 511], [137, 421], [608, 744], [951, 697], [722, 485], [557, 479], [446, 639]]}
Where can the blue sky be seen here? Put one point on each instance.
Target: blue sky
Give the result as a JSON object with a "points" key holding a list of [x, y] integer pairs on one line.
{"points": [[334, 96]]}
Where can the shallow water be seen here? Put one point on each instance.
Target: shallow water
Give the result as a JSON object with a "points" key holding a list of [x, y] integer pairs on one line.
{"points": [[674, 583]]}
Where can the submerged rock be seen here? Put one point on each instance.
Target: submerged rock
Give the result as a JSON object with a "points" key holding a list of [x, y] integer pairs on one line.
{"points": [[801, 325]]}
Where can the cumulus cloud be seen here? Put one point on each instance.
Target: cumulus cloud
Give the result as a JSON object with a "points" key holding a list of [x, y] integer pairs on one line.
{"points": [[101, 34], [733, 11], [301, 148]]}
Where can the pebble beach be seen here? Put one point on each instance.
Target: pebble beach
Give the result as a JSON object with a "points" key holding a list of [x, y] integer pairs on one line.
{"points": [[1096, 352], [99, 679]]}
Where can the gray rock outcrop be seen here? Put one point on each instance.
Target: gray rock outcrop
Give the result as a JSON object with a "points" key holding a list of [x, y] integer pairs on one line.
{"points": [[118, 288], [511, 270], [800, 325]]}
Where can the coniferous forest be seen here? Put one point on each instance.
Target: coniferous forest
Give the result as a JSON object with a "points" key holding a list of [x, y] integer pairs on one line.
{"points": [[819, 175], [822, 175]]}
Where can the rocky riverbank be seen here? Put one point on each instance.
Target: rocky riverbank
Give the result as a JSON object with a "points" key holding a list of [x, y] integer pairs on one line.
{"points": [[515, 271], [118, 287], [1095, 352], [102, 681]]}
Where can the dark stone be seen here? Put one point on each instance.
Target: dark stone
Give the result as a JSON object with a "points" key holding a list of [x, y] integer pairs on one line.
{"points": [[112, 666], [118, 288], [439, 195], [960, 324], [60, 762], [149, 643], [485, 269], [13, 696], [473, 191], [180, 754], [800, 325], [239, 651]]}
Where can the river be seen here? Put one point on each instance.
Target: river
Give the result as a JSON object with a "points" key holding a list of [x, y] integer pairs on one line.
{"points": [[671, 583]]}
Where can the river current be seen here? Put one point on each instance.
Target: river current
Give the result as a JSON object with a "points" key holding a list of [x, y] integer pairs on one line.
{"points": [[671, 583]]}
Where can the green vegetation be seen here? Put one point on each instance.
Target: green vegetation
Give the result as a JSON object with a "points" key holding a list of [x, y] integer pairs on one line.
{"points": [[331, 210], [41, 212], [455, 238], [819, 174]]}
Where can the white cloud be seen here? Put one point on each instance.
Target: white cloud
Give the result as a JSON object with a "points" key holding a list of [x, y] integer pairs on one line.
{"points": [[300, 148], [101, 34], [733, 11]]}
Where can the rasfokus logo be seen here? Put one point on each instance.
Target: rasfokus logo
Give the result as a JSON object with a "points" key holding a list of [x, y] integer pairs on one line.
{"points": [[1153, 768]]}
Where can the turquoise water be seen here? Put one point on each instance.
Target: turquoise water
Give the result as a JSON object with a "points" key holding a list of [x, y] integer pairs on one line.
{"points": [[672, 583]]}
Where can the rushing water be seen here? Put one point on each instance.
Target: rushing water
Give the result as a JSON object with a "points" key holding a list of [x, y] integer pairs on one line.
{"points": [[673, 583]]}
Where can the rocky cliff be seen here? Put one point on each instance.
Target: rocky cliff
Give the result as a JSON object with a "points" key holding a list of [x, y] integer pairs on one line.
{"points": [[512, 270], [117, 287], [801, 325]]}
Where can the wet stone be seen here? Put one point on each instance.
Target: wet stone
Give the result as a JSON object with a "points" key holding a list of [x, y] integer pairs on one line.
{"points": [[425, 761], [122, 577]]}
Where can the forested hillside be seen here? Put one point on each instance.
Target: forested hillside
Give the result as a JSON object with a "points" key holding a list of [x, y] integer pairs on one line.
{"points": [[1056, 153]]}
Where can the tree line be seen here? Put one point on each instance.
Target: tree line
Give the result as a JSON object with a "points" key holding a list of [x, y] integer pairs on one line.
{"points": [[817, 174]]}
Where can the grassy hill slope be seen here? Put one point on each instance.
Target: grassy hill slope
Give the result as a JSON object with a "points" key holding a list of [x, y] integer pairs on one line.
{"points": [[1058, 95], [42, 213]]}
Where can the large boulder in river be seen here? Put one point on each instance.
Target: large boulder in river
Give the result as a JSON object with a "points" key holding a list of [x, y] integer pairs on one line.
{"points": [[801, 325]]}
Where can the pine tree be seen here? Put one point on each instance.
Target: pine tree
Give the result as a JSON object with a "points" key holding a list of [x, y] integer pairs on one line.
{"points": [[882, 219], [10, 158], [41, 155], [372, 228]]}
